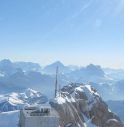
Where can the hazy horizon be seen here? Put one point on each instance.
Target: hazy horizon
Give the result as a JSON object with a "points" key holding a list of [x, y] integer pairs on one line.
{"points": [[74, 32], [76, 65]]}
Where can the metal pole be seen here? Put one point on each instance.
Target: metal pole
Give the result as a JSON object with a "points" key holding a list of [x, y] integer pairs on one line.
{"points": [[56, 83]]}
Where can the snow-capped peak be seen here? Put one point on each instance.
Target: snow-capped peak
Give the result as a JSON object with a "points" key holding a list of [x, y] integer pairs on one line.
{"points": [[71, 94], [14, 101], [32, 93], [80, 105]]}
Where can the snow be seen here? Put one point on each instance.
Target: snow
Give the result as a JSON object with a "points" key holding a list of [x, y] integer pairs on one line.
{"points": [[79, 125], [9, 119], [90, 93], [18, 98], [31, 93], [60, 100], [14, 101], [79, 89], [12, 98], [109, 110], [71, 99]]}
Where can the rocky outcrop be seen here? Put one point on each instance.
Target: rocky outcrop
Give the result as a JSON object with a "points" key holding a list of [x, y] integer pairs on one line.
{"points": [[80, 105]]}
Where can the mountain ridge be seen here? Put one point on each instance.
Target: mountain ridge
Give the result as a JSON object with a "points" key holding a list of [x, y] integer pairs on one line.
{"points": [[79, 105]]}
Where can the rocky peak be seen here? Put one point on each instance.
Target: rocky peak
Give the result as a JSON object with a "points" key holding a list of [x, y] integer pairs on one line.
{"points": [[80, 105], [94, 69]]}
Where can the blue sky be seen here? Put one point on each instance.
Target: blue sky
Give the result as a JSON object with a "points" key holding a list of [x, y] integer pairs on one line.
{"points": [[72, 31]]}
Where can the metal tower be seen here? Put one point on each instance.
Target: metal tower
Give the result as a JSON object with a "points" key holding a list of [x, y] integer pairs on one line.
{"points": [[56, 82]]}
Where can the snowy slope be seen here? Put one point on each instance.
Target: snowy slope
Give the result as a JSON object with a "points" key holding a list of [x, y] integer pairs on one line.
{"points": [[15, 101], [9, 119]]}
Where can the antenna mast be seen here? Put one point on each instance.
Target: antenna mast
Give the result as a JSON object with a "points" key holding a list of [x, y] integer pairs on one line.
{"points": [[56, 83]]}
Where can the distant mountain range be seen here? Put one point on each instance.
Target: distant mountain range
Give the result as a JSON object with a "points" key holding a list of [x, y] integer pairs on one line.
{"points": [[50, 69], [17, 76], [7, 67]]}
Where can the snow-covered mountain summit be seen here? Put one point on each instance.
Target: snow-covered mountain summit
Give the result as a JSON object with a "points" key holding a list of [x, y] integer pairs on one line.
{"points": [[15, 101], [80, 105]]}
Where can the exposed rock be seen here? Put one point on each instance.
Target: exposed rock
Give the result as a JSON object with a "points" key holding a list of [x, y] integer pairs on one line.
{"points": [[80, 105]]}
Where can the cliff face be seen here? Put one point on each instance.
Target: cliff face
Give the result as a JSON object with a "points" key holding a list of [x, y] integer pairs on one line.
{"points": [[80, 105]]}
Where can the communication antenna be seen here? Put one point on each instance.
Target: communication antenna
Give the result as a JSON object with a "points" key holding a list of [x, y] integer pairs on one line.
{"points": [[59, 90], [56, 83]]}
